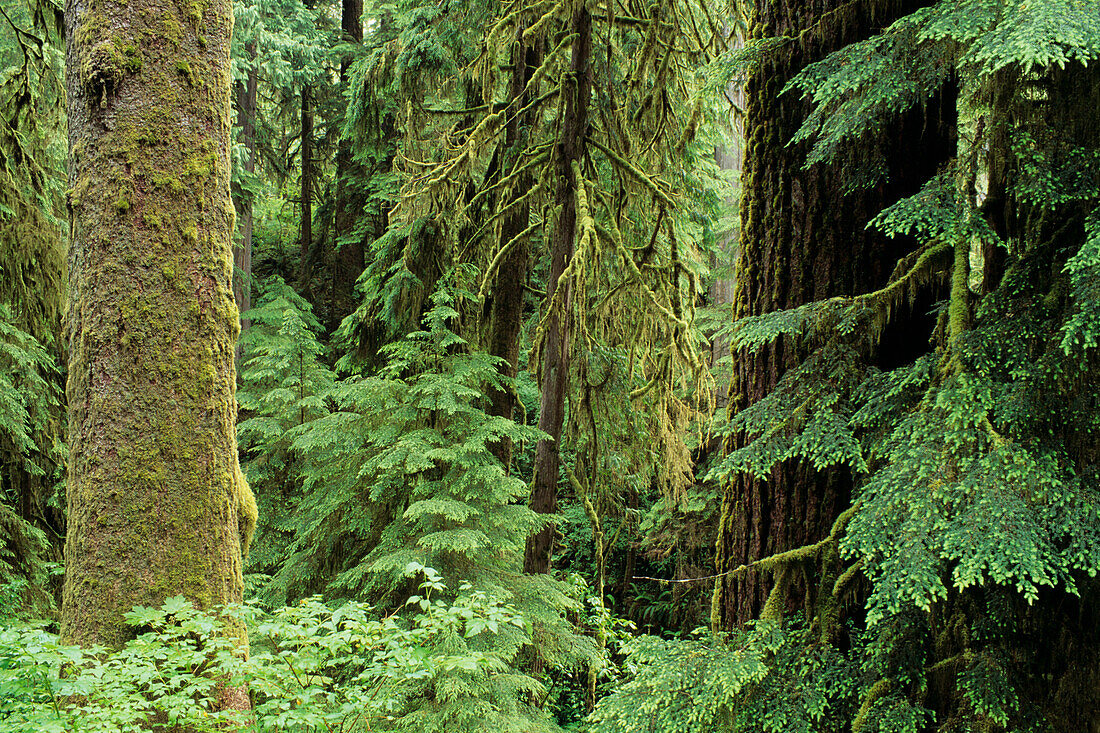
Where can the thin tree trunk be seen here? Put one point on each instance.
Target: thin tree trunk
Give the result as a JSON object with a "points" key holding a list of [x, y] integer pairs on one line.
{"points": [[158, 506], [349, 252], [242, 200], [555, 349], [506, 310], [305, 243]]}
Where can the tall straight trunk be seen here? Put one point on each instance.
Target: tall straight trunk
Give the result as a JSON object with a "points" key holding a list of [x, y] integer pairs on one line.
{"points": [[506, 310], [555, 350], [349, 252], [803, 239], [242, 199], [305, 243], [158, 506]]}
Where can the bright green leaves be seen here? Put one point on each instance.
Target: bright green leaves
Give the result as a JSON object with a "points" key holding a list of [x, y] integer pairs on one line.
{"points": [[805, 417], [958, 505], [1029, 34], [311, 667], [1082, 330], [865, 84]]}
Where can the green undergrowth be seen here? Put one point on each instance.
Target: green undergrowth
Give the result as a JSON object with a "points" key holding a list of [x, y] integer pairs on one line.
{"points": [[313, 666]]}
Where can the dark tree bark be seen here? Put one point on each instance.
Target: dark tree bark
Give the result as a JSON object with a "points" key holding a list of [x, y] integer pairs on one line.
{"points": [[158, 506], [242, 200], [506, 309], [555, 349], [305, 242], [349, 252], [803, 239]]}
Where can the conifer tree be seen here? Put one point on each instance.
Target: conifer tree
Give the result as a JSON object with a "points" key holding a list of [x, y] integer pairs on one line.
{"points": [[966, 597], [32, 292], [803, 239], [158, 506]]}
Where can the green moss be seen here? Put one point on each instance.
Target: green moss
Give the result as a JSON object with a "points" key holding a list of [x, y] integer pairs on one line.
{"points": [[184, 69], [195, 12], [122, 204], [190, 232], [171, 30], [169, 182], [130, 57]]}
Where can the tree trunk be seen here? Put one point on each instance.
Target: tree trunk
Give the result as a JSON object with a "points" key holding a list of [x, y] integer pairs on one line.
{"points": [[803, 239], [506, 309], [349, 250], [242, 199], [555, 350], [305, 243], [158, 506]]}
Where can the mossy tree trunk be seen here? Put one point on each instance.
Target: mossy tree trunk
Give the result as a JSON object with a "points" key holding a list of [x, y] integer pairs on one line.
{"points": [[803, 239], [158, 506], [554, 378], [349, 207], [506, 308]]}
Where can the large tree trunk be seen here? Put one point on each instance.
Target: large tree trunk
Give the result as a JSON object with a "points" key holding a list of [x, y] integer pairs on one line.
{"points": [[349, 207], [158, 506], [242, 199], [803, 239], [555, 349]]}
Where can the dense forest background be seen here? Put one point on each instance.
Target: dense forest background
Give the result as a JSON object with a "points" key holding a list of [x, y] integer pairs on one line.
{"points": [[604, 365]]}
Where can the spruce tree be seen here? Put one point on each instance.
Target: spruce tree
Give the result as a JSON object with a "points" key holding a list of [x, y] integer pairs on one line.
{"points": [[158, 506]]}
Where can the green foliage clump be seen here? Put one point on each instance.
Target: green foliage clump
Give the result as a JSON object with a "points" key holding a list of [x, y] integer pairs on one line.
{"points": [[971, 543], [312, 667], [284, 383]]}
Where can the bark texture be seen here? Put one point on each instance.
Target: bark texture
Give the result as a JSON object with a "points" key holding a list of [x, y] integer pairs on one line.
{"points": [[349, 207], [802, 240], [555, 349], [158, 505]]}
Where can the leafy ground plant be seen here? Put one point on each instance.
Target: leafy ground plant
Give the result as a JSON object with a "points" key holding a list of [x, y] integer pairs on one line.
{"points": [[312, 667]]}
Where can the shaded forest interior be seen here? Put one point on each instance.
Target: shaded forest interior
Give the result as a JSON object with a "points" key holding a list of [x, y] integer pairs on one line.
{"points": [[550, 365]]}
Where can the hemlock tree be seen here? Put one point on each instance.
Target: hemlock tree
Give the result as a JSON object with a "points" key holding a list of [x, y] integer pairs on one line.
{"points": [[803, 238], [32, 293], [158, 506]]}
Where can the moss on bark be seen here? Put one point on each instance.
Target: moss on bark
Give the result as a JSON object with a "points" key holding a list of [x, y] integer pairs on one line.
{"points": [[157, 502], [802, 240]]}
